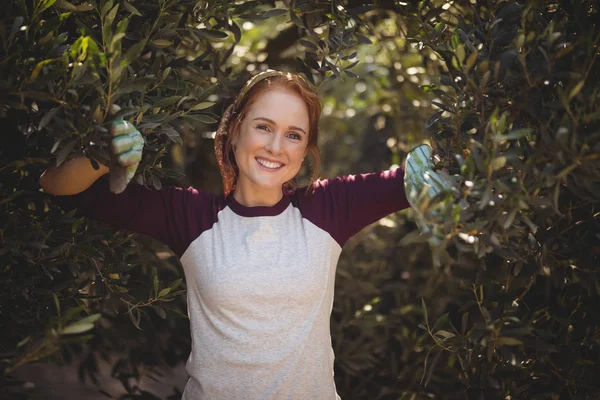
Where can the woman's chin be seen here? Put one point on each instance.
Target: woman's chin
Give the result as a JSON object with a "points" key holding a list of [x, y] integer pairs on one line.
{"points": [[270, 186]]}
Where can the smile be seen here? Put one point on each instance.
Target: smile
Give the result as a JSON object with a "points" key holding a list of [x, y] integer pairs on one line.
{"points": [[269, 164]]}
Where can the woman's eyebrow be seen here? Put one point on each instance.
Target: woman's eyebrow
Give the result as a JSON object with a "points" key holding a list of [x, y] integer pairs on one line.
{"points": [[273, 122]]}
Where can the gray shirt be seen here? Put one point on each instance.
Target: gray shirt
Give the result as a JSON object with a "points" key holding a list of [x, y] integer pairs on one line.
{"points": [[260, 280]]}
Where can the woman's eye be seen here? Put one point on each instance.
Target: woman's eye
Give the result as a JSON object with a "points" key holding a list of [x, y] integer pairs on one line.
{"points": [[262, 127], [295, 136]]}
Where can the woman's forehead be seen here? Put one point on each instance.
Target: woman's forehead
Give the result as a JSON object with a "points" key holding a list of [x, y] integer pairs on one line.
{"points": [[279, 103]]}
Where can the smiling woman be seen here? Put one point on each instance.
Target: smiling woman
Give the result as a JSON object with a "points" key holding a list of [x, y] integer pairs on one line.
{"points": [[260, 259], [271, 106], [269, 147]]}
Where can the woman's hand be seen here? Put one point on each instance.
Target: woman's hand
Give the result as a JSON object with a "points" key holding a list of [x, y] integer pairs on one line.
{"points": [[127, 145], [427, 190]]}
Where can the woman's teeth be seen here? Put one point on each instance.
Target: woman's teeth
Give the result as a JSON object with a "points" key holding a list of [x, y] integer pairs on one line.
{"points": [[268, 164]]}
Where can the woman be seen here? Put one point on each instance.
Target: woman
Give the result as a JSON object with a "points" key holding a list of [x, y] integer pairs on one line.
{"points": [[260, 259]]}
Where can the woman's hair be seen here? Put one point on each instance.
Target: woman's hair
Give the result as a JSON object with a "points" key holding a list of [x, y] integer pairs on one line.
{"points": [[295, 84]]}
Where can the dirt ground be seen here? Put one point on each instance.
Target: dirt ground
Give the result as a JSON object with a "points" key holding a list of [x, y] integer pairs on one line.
{"points": [[46, 381]]}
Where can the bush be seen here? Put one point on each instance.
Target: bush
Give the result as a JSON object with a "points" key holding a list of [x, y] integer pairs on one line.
{"points": [[504, 308], [509, 304], [518, 122], [67, 69]]}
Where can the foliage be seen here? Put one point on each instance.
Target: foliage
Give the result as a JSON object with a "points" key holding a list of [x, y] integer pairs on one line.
{"points": [[513, 289], [67, 69], [507, 93], [519, 103]]}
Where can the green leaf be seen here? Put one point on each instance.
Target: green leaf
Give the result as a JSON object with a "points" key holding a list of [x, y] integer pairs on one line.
{"points": [[350, 56], [509, 341], [471, 61], [432, 368], [110, 17], [202, 106], [161, 43], [331, 67], [81, 326], [362, 39], [440, 321], [106, 7], [445, 334], [167, 101], [176, 284], [155, 182], [90, 319], [498, 163], [65, 152], [107, 23], [212, 34], [464, 320], [513, 135], [159, 311], [24, 341], [308, 44], [131, 9], [47, 118], [205, 119], [44, 4], [576, 89], [135, 316], [77, 328], [424, 309], [38, 68], [172, 134], [297, 20], [65, 5], [275, 12], [164, 292], [237, 32], [121, 28], [460, 54], [55, 146], [207, 92], [351, 65]]}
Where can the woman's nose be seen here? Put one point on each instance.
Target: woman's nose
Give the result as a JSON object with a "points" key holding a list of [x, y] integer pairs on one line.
{"points": [[274, 145]]}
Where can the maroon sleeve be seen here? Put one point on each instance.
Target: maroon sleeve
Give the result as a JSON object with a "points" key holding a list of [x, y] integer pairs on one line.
{"points": [[174, 216], [345, 205]]}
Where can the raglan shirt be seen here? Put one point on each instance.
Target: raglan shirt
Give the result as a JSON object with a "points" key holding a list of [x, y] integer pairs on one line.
{"points": [[260, 280]]}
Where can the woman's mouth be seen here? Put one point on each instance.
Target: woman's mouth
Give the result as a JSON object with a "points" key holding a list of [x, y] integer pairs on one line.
{"points": [[269, 165]]}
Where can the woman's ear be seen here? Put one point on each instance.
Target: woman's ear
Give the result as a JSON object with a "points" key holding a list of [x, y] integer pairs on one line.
{"points": [[234, 133]]}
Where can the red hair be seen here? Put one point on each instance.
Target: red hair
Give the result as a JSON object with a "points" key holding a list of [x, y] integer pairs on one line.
{"points": [[297, 85]]}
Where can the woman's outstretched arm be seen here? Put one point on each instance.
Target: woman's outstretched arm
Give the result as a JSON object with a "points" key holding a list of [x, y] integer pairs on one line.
{"points": [[78, 174], [71, 177], [166, 214]]}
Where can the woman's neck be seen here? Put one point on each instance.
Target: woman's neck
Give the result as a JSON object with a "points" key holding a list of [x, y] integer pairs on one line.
{"points": [[257, 198]]}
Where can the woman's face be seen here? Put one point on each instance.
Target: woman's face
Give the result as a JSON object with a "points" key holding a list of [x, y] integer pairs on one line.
{"points": [[272, 142]]}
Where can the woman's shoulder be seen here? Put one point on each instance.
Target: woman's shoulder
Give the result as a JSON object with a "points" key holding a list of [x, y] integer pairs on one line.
{"points": [[359, 183], [194, 199], [344, 205]]}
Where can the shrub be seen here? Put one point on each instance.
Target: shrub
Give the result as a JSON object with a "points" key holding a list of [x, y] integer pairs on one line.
{"points": [[504, 308], [509, 303]]}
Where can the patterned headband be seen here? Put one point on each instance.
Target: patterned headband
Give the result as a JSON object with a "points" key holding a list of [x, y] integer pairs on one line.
{"points": [[228, 173]]}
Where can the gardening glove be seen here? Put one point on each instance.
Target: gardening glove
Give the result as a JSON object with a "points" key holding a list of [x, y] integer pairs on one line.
{"points": [[427, 192], [127, 144]]}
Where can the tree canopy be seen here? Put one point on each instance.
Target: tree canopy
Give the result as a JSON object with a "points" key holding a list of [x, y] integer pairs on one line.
{"points": [[501, 306]]}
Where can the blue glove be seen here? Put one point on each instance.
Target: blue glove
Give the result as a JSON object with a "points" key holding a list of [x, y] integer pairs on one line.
{"points": [[127, 145], [426, 191]]}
